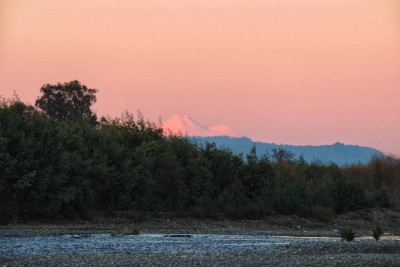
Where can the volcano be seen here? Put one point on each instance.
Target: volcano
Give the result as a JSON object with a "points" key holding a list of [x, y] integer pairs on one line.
{"points": [[187, 126]]}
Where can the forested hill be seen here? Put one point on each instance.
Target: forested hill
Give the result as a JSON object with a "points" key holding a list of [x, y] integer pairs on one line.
{"points": [[337, 153], [57, 160]]}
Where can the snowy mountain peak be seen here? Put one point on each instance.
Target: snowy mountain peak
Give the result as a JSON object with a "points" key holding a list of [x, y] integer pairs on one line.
{"points": [[188, 126]]}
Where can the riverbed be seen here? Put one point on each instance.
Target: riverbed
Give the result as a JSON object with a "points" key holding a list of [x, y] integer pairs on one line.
{"points": [[104, 249], [143, 243], [273, 241]]}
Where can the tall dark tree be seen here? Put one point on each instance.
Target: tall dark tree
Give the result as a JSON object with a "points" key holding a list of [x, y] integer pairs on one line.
{"points": [[65, 101], [282, 155]]}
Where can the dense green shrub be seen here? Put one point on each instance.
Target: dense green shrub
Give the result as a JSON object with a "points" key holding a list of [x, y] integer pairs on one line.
{"points": [[377, 232], [380, 199], [347, 234], [348, 195]]}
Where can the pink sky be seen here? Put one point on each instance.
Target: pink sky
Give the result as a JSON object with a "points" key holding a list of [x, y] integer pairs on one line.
{"points": [[283, 71]]}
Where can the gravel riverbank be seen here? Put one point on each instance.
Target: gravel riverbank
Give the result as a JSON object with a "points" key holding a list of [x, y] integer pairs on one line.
{"points": [[364, 251]]}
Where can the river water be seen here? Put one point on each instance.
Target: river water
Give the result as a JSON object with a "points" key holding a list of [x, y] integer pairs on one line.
{"points": [[143, 243]]}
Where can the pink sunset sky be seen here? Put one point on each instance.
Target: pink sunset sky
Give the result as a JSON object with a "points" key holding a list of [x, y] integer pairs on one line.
{"points": [[285, 71]]}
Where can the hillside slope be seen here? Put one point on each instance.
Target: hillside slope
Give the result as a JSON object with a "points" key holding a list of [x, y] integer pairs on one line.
{"points": [[337, 153]]}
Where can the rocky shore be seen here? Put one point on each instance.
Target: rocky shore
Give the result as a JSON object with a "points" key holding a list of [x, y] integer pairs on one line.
{"points": [[361, 253], [364, 251]]}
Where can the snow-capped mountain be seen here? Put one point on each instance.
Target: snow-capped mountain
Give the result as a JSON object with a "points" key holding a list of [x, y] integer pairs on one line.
{"points": [[225, 137], [188, 126]]}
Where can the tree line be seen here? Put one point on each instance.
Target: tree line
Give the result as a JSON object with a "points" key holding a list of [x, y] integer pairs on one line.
{"points": [[58, 161]]}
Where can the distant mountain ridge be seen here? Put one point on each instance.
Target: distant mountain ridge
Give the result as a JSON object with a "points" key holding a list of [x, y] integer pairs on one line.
{"points": [[226, 137], [337, 153]]}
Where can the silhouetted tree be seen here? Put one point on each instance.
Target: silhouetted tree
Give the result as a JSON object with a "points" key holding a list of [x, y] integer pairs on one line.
{"points": [[66, 101], [281, 154]]}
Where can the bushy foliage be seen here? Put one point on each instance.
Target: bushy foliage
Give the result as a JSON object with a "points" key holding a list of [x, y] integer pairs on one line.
{"points": [[347, 234], [347, 195], [377, 232], [68, 168], [68, 101]]}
